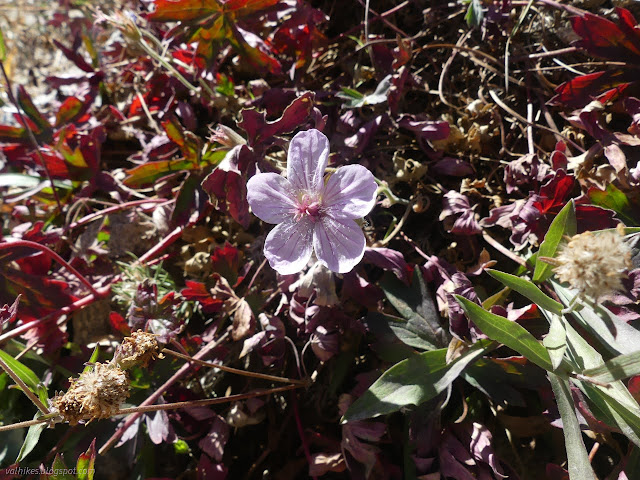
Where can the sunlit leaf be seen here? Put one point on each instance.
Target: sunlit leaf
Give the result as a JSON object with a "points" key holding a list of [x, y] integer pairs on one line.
{"points": [[413, 381], [556, 340], [507, 332], [577, 456], [527, 289], [563, 224], [618, 368]]}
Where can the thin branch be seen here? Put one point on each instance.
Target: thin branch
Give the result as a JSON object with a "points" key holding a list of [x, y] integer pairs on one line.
{"points": [[204, 402], [505, 251], [245, 373], [28, 423], [58, 258]]}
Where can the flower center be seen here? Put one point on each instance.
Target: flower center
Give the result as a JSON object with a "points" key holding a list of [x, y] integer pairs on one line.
{"points": [[308, 206]]}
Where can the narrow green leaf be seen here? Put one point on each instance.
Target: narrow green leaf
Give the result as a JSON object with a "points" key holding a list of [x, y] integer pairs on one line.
{"points": [[508, 333], [563, 224], [412, 382], [527, 289], [3, 48], [93, 359], [31, 439], [556, 340], [616, 335], [577, 456], [475, 14], [22, 371], [616, 405], [618, 368], [623, 417]]}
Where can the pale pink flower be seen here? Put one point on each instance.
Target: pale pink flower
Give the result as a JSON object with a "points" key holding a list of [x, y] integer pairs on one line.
{"points": [[311, 212]]}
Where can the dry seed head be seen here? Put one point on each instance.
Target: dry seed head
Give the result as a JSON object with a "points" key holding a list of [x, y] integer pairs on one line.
{"points": [[138, 349], [594, 263], [95, 394]]}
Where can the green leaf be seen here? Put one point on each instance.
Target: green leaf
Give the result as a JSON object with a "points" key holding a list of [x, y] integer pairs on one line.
{"points": [[527, 289], [475, 14], [393, 328], [93, 359], [28, 181], [616, 405], [357, 99], [614, 199], [556, 340], [3, 48], [31, 439], [577, 456], [507, 332], [85, 467], [616, 335], [22, 371], [414, 303], [563, 224], [624, 417], [618, 368], [412, 382], [151, 171]]}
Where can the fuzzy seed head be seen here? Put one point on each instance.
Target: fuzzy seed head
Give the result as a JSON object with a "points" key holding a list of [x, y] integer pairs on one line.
{"points": [[138, 349], [594, 263], [95, 394]]}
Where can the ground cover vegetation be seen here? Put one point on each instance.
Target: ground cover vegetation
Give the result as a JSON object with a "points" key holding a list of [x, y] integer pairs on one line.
{"points": [[284, 239]]}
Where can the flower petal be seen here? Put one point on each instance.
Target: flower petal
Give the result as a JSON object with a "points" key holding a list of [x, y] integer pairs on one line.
{"points": [[288, 246], [339, 243], [307, 160], [350, 192], [271, 197]]}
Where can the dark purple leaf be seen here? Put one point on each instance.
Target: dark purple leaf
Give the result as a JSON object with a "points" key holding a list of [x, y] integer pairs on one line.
{"points": [[453, 167], [214, 442], [8, 313], [388, 259], [425, 129]]}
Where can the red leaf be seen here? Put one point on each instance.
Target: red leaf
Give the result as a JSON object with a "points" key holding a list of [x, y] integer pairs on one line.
{"points": [[581, 90], [226, 261], [554, 193], [70, 110], [259, 130], [634, 387], [603, 38], [227, 185], [40, 294], [119, 324], [198, 292]]}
